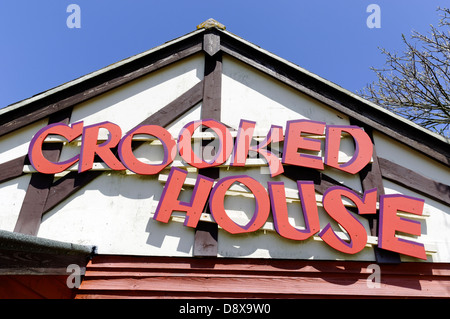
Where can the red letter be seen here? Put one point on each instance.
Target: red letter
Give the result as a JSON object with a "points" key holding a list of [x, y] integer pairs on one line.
{"points": [[216, 204], [363, 148], [294, 141], [37, 159], [169, 198], [222, 154], [332, 203], [307, 196], [390, 223], [90, 147], [242, 146], [133, 164]]}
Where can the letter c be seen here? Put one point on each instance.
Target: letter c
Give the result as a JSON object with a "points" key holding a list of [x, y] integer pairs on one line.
{"points": [[37, 159]]}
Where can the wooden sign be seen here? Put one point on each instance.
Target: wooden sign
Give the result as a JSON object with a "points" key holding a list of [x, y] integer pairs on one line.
{"points": [[300, 143]]}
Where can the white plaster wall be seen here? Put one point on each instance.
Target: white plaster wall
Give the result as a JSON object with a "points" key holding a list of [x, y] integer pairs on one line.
{"points": [[130, 104], [12, 194], [15, 144], [251, 95], [113, 212]]}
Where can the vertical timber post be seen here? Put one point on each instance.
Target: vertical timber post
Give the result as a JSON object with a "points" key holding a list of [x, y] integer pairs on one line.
{"points": [[205, 241], [371, 177]]}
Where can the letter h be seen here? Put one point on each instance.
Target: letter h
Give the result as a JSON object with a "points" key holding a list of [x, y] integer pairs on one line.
{"points": [[169, 199]]}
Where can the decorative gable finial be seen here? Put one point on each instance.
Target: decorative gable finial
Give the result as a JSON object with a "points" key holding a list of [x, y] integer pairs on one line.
{"points": [[211, 23]]}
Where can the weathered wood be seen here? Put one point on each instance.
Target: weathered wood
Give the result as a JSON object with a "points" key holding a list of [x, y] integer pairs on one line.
{"points": [[321, 181], [246, 277], [35, 198], [370, 177], [12, 168], [243, 265], [415, 181], [206, 234], [205, 239], [35, 287], [405, 287], [212, 90], [211, 43], [33, 204]]}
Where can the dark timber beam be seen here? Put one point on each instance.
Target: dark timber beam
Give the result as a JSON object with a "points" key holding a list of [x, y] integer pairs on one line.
{"points": [[371, 177], [33, 204], [206, 234], [408, 178]]}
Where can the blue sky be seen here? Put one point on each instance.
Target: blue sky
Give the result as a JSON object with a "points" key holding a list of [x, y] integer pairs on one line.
{"points": [[327, 37]]}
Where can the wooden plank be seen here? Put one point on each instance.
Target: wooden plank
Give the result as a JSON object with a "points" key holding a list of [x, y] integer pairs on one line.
{"points": [[35, 287], [33, 204], [211, 43], [12, 168], [72, 182], [35, 198], [241, 265], [212, 90], [408, 178], [370, 177], [110, 276], [90, 92], [206, 234], [321, 181], [325, 278]]}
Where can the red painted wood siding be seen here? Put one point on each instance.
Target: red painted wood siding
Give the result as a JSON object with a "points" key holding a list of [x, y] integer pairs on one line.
{"points": [[35, 287], [168, 277]]}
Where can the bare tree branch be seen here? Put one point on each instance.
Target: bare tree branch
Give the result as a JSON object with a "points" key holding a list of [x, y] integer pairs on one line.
{"points": [[416, 84]]}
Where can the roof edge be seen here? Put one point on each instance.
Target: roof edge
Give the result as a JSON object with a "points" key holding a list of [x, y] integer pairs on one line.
{"points": [[28, 243], [61, 87], [338, 88]]}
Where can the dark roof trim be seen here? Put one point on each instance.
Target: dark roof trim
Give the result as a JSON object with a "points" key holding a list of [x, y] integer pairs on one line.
{"points": [[67, 95], [348, 103], [26, 254]]}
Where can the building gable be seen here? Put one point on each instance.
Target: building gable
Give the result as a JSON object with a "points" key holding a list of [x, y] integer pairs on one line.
{"points": [[210, 74]]}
